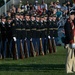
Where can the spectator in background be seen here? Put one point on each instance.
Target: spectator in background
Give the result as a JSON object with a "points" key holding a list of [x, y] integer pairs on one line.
{"points": [[32, 10], [54, 11], [8, 14], [51, 5], [46, 6], [27, 7], [36, 5], [69, 5], [58, 4], [13, 8], [31, 6], [54, 3], [64, 10], [43, 5], [12, 14], [50, 11], [39, 11], [19, 9], [59, 13]]}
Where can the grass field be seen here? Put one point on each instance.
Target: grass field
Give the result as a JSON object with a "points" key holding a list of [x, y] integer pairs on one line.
{"points": [[50, 64]]}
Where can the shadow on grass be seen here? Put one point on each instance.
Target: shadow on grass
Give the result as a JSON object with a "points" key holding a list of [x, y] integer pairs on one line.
{"points": [[32, 67]]}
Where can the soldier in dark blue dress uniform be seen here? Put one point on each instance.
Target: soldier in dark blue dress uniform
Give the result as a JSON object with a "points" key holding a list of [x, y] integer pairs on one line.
{"points": [[16, 31], [49, 33], [45, 34], [33, 33], [55, 28], [37, 34], [55, 33], [41, 28], [9, 36], [28, 31], [22, 22], [23, 35], [3, 36], [50, 29]]}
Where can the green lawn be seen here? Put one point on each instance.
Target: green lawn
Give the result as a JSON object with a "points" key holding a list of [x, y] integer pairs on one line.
{"points": [[50, 64]]}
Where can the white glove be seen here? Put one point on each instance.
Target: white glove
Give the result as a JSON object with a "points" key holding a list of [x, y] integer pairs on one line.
{"points": [[49, 37], [14, 38], [66, 46], [25, 39], [73, 46], [31, 39]]}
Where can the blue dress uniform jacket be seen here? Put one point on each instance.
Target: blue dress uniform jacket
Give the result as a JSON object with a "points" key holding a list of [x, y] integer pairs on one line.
{"points": [[38, 29], [14, 34], [9, 30], [3, 30], [49, 28], [23, 31], [16, 27], [45, 29], [3, 38], [42, 30], [33, 29], [55, 28], [28, 29]]}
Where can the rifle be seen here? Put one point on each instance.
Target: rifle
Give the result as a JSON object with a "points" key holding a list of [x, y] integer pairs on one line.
{"points": [[36, 47], [15, 53], [45, 46], [32, 51], [54, 45], [21, 50], [49, 44], [41, 48], [26, 49]]}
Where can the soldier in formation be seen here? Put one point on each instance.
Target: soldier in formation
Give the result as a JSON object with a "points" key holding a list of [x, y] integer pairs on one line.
{"points": [[3, 36], [28, 35]]}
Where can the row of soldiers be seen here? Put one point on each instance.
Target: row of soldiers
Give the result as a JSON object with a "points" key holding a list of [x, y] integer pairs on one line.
{"points": [[29, 35]]}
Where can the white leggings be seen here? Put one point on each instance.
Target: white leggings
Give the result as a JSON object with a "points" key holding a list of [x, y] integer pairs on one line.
{"points": [[70, 61]]}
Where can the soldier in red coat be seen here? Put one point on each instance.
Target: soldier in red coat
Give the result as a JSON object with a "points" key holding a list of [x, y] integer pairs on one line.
{"points": [[70, 42]]}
